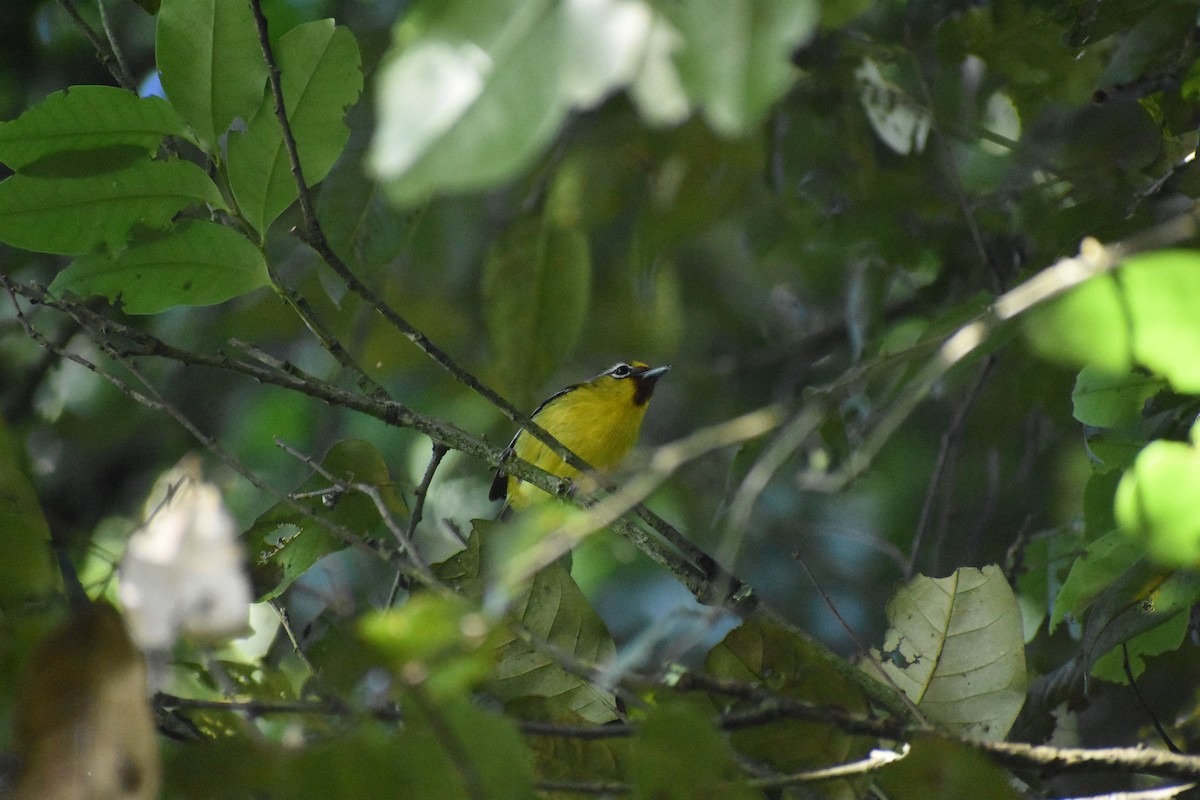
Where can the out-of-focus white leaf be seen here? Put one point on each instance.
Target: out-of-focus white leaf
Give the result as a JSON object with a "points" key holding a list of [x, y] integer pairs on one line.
{"points": [[897, 118], [183, 570]]}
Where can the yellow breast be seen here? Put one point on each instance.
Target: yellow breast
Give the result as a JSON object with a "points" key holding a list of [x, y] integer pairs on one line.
{"points": [[599, 421]]}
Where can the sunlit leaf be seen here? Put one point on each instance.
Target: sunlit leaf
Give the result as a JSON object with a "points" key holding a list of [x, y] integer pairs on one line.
{"points": [[1142, 315], [1108, 400], [440, 642], [1156, 501], [196, 264], [956, 648]]}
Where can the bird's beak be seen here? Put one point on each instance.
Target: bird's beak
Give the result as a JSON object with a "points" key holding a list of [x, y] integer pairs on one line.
{"points": [[647, 380]]}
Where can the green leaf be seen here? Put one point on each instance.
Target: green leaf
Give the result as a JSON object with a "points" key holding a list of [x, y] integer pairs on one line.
{"points": [[441, 638], [75, 215], [678, 754], [945, 768], [1085, 327], [87, 118], [1165, 638], [197, 264], [1156, 500], [1109, 400], [763, 653], [27, 568], [285, 542], [211, 64], [736, 58], [457, 750], [361, 226], [956, 648], [899, 121], [1143, 314], [1100, 565], [321, 76], [552, 609], [1144, 598], [467, 99], [536, 286]]}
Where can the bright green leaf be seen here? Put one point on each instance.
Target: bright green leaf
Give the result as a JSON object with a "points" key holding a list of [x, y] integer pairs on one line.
{"points": [[1087, 326], [736, 57], [87, 118], [678, 754], [284, 542], [1163, 293], [211, 63], [1143, 315], [1109, 400], [321, 76], [1156, 500], [197, 264], [956, 648], [536, 287], [76, 215], [1094, 571]]}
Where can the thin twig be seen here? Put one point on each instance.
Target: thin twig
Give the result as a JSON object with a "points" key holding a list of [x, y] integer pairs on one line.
{"points": [[103, 51], [420, 566], [418, 510], [950, 438], [1094, 259]]}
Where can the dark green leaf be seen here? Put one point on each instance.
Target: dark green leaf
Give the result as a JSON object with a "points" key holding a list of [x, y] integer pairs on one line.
{"points": [[321, 76], [536, 287], [679, 755], [762, 653], [76, 215], [87, 118]]}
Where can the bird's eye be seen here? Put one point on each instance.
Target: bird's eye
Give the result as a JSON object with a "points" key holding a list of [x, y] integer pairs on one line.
{"points": [[621, 371]]}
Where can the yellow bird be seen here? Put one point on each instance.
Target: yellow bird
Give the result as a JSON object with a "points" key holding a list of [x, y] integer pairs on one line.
{"points": [[598, 420]]}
